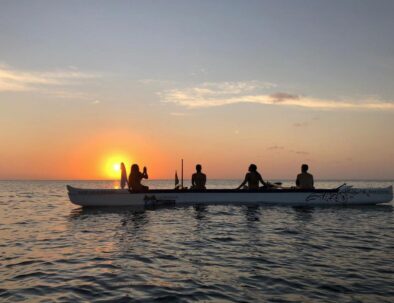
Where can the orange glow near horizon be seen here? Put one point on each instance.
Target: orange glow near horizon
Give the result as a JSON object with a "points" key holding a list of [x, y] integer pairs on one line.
{"points": [[86, 157]]}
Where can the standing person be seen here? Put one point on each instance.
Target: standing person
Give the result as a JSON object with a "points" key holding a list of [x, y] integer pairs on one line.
{"points": [[123, 176], [253, 178], [304, 179], [198, 179], [135, 178]]}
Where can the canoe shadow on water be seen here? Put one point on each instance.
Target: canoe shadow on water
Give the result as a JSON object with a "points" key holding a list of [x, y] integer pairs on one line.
{"points": [[81, 218], [83, 212]]}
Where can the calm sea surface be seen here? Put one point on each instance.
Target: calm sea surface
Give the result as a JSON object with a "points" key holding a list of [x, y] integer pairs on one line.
{"points": [[51, 250]]}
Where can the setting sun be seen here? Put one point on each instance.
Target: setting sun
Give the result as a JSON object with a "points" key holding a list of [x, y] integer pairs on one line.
{"points": [[117, 167], [111, 166]]}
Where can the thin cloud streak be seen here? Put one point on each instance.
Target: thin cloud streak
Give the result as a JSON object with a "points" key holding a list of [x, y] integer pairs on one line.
{"points": [[12, 80], [300, 124], [179, 114], [227, 93], [159, 82], [275, 147], [300, 152]]}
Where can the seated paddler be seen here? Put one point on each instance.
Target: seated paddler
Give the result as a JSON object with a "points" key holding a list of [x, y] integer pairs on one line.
{"points": [[199, 179], [253, 179], [304, 179], [136, 177]]}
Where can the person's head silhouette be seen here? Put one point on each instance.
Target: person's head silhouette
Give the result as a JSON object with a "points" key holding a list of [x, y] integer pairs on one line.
{"points": [[135, 168], [252, 167], [198, 168]]}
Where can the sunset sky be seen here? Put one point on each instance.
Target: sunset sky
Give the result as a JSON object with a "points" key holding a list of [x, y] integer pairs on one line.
{"points": [[87, 84]]}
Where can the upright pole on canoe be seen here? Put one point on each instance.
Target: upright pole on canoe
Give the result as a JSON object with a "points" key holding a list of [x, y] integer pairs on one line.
{"points": [[182, 174]]}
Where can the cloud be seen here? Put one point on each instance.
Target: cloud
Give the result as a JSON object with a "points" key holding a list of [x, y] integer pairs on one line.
{"points": [[275, 147], [63, 94], [158, 82], [226, 93], [12, 80], [279, 148], [281, 97], [179, 114], [299, 152], [300, 124], [198, 72]]}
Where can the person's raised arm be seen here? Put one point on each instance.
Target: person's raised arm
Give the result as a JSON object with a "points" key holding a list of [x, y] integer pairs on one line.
{"points": [[145, 173]]}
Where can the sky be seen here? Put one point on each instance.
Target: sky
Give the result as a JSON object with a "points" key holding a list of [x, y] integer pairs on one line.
{"points": [[87, 84]]}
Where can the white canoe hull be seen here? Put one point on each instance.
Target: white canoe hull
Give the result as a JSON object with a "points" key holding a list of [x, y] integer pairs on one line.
{"points": [[116, 197]]}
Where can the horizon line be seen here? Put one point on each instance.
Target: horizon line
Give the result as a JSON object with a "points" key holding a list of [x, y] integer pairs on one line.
{"points": [[214, 179]]}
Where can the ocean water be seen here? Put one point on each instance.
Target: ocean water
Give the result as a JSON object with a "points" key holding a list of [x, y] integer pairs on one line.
{"points": [[53, 251]]}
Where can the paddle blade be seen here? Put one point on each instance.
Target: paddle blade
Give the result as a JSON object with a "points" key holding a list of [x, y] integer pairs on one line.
{"points": [[176, 179]]}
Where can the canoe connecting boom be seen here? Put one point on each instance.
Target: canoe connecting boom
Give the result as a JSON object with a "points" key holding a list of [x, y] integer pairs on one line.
{"points": [[345, 195]]}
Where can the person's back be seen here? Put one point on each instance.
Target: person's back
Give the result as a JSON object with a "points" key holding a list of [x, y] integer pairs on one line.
{"points": [[135, 180], [305, 179], [199, 179], [136, 177], [253, 178]]}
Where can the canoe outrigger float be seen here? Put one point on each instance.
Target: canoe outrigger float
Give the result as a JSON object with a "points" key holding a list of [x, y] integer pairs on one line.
{"points": [[343, 195]]}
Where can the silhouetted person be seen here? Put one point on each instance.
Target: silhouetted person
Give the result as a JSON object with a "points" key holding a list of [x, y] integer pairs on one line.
{"points": [[135, 179], [253, 178], [305, 179], [198, 179], [123, 176]]}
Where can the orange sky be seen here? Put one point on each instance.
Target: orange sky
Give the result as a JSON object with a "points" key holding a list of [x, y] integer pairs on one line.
{"points": [[65, 146]]}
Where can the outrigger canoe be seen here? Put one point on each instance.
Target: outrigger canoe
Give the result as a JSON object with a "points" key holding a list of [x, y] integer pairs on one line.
{"points": [[343, 195]]}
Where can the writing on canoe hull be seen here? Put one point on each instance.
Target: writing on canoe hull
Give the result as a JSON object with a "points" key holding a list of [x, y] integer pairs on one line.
{"points": [[153, 201], [342, 196]]}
